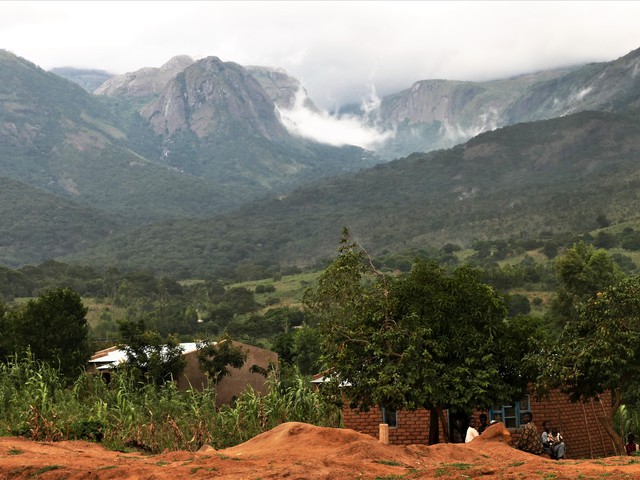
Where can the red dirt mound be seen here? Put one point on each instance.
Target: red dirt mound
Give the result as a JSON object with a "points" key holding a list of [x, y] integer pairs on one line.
{"points": [[300, 451]]}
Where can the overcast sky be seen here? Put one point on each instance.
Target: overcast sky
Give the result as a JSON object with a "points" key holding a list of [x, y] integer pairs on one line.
{"points": [[339, 50]]}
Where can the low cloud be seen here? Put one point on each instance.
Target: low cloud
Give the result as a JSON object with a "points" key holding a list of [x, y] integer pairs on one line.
{"points": [[334, 129]]}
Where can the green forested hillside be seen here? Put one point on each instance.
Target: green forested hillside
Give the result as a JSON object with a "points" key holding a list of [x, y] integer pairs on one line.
{"points": [[57, 137], [555, 175], [39, 225], [102, 155], [98, 154]]}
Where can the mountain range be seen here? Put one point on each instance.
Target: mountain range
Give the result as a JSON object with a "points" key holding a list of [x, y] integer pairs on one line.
{"points": [[434, 114], [189, 165]]}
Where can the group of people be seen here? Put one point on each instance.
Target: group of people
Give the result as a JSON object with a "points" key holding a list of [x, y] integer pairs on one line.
{"points": [[472, 431], [550, 442]]}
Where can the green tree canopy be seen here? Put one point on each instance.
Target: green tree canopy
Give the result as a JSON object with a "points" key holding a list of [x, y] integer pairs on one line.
{"points": [[306, 345], [216, 357], [601, 346], [54, 328], [599, 349], [428, 339], [582, 272], [150, 356]]}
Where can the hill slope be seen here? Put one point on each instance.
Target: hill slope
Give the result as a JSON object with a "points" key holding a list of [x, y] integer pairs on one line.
{"points": [[38, 225], [57, 137], [552, 175]]}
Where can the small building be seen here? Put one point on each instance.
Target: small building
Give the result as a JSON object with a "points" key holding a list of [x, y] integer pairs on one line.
{"points": [[231, 386], [584, 435]]}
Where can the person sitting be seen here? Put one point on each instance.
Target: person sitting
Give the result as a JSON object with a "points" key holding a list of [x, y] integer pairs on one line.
{"points": [[471, 431], [552, 441], [631, 447], [557, 444], [483, 423], [529, 440]]}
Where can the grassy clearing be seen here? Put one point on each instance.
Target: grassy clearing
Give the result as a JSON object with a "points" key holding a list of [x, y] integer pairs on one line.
{"points": [[289, 289]]}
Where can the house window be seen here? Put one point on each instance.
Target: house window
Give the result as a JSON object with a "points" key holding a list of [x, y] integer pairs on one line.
{"points": [[511, 415], [390, 417]]}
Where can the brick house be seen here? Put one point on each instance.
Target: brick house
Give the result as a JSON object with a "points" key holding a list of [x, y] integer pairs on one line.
{"points": [[231, 386], [578, 422]]}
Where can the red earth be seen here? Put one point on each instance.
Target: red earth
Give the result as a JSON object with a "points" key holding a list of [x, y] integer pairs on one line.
{"points": [[301, 451]]}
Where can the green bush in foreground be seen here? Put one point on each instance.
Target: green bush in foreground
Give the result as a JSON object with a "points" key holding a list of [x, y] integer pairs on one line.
{"points": [[125, 414]]}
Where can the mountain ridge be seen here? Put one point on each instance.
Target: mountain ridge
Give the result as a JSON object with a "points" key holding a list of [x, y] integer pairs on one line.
{"points": [[434, 114], [438, 113], [258, 191], [511, 181]]}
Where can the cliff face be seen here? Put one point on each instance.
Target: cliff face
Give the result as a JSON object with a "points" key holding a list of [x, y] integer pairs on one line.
{"points": [[454, 102], [610, 86], [212, 97], [435, 114], [281, 87], [146, 81]]}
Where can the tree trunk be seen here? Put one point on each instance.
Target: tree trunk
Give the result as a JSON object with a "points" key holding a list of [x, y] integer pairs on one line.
{"points": [[443, 422], [607, 422], [434, 432]]}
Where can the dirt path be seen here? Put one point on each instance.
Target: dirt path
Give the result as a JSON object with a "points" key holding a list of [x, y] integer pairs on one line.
{"points": [[300, 451]]}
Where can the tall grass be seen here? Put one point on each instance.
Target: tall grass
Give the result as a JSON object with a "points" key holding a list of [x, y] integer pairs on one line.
{"points": [[35, 402]]}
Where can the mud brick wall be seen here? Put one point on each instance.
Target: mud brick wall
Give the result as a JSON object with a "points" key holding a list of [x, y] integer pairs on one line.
{"points": [[413, 426], [584, 435]]}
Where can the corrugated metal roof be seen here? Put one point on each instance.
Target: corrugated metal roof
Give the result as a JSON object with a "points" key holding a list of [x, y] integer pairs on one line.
{"points": [[323, 379], [115, 357]]}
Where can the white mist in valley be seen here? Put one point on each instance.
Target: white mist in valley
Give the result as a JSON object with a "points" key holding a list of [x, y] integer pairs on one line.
{"points": [[337, 129]]}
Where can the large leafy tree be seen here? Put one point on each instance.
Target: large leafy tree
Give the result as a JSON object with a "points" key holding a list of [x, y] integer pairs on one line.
{"points": [[582, 272], [54, 328], [599, 349], [428, 339]]}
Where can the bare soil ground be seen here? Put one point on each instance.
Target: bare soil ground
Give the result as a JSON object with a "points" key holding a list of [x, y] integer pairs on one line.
{"points": [[301, 451]]}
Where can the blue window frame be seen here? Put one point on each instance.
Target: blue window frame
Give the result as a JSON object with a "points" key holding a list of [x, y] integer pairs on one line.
{"points": [[511, 415]]}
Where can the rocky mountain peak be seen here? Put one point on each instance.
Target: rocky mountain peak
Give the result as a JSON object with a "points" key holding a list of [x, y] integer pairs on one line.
{"points": [[177, 63], [145, 81], [212, 97], [212, 64], [281, 87]]}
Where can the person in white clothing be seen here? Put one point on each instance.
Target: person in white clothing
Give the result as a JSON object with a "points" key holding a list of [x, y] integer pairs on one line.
{"points": [[471, 430]]}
